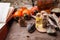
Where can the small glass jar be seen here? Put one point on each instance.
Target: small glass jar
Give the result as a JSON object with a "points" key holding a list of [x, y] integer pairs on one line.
{"points": [[22, 22]]}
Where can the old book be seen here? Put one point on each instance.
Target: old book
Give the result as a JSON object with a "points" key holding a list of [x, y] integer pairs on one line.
{"points": [[4, 8]]}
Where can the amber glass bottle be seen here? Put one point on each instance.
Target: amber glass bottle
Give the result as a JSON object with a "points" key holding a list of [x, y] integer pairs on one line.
{"points": [[45, 4]]}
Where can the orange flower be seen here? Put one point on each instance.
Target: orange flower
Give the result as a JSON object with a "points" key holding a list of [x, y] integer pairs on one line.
{"points": [[17, 13], [34, 9], [26, 11]]}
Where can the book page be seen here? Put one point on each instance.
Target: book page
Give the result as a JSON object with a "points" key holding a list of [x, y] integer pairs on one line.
{"points": [[4, 8], [2, 25]]}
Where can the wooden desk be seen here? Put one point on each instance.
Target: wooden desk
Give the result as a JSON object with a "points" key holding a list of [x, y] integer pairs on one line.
{"points": [[20, 33]]}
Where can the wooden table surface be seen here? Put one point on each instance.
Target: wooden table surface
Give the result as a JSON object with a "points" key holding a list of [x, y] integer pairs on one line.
{"points": [[20, 33]]}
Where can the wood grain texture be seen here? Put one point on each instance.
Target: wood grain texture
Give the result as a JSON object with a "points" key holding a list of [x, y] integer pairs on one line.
{"points": [[20, 33]]}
